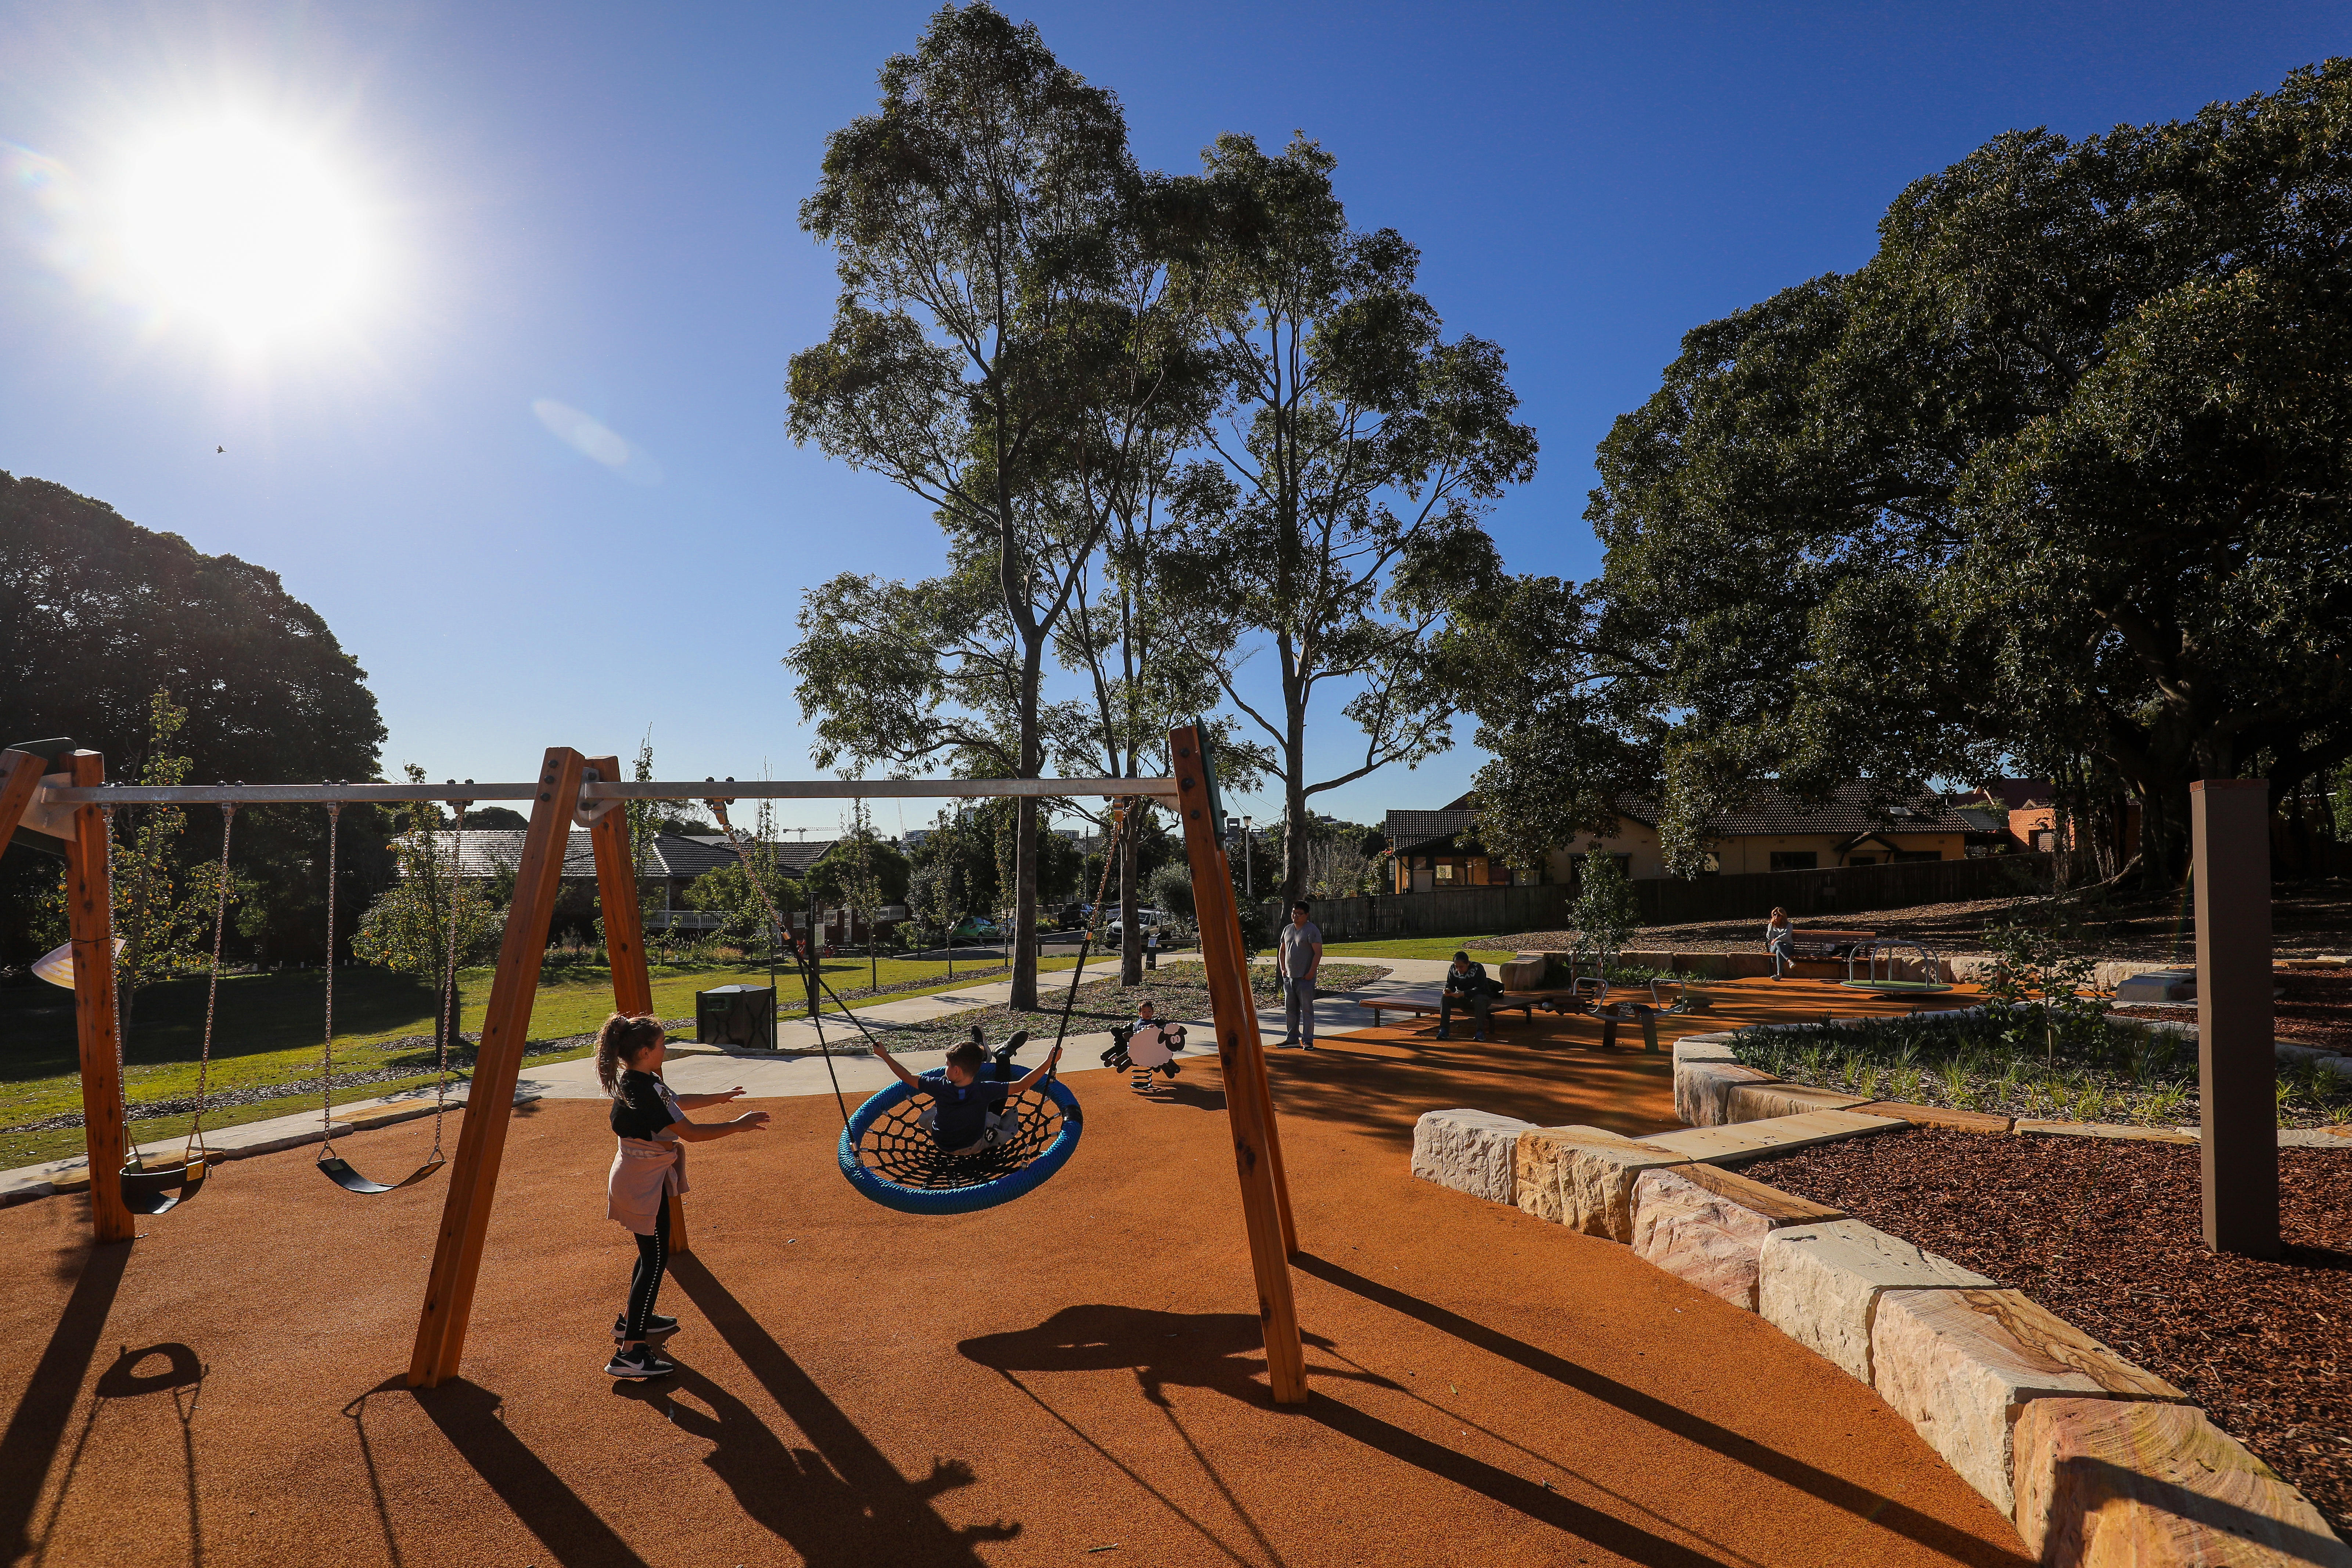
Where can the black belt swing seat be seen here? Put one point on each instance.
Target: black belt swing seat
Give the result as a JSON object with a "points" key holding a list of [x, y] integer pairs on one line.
{"points": [[159, 1189], [331, 1165]]}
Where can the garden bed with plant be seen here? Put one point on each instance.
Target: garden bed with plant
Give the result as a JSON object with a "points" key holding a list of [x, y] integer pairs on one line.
{"points": [[2032, 1064], [2109, 1235], [1177, 994]]}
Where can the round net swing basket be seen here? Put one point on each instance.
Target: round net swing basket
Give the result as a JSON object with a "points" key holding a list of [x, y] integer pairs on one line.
{"points": [[890, 1157]]}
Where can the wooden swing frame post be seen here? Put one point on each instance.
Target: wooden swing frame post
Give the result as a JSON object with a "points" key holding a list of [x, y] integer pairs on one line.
{"points": [[490, 1101], [1241, 1056], [90, 914], [20, 775], [624, 935]]}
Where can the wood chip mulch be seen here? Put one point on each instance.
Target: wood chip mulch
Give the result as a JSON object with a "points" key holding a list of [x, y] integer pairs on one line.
{"points": [[2107, 1235]]}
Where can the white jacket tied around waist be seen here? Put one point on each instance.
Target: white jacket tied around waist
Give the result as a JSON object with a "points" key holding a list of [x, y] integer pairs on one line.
{"points": [[644, 1172]]}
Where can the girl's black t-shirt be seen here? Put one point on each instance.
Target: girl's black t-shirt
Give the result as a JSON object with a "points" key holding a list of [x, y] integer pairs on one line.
{"points": [[640, 1110]]}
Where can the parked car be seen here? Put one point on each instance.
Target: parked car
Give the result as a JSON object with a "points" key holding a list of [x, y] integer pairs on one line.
{"points": [[976, 928]]}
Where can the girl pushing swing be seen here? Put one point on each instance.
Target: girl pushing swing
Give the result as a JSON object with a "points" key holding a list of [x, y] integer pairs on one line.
{"points": [[649, 1165]]}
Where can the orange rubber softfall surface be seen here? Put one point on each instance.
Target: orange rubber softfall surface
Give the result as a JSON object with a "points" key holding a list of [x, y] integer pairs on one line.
{"points": [[1074, 1377]]}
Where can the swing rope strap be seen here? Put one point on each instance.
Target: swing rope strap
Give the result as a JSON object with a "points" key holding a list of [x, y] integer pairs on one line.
{"points": [[897, 1146], [804, 959]]}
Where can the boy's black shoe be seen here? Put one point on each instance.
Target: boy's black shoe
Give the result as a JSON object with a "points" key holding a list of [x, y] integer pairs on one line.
{"points": [[655, 1327], [1445, 1033], [638, 1360]]}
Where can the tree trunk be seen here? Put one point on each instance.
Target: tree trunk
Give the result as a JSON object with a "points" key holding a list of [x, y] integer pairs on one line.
{"points": [[1131, 959], [1025, 905]]}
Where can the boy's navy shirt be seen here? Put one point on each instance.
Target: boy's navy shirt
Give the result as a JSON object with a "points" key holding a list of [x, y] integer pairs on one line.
{"points": [[963, 1108]]}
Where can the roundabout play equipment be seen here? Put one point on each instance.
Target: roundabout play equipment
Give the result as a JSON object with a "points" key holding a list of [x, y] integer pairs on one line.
{"points": [[1889, 950]]}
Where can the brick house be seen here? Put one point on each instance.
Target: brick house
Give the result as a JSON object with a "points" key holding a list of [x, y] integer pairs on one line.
{"points": [[1439, 848]]}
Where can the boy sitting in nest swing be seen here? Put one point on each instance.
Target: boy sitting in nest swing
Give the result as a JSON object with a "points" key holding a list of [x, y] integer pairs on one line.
{"points": [[972, 1108]]}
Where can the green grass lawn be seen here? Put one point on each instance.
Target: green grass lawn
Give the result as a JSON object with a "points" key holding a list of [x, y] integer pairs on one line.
{"points": [[1424, 947], [269, 1028]]}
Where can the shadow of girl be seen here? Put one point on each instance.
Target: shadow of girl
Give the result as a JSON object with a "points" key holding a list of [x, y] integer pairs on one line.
{"points": [[798, 1495]]}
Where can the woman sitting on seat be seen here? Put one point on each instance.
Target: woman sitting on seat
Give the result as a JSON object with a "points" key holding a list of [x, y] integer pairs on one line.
{"points": [[1781, 942]]}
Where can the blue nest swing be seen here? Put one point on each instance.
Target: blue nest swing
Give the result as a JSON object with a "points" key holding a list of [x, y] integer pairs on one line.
{"points": [[890, 1157]]}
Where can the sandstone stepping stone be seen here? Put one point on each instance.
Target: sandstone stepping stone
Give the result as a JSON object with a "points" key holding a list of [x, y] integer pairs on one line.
{"points": [[2104, 1483], [1752, 1102], [1598, 1196], [1961, 1366], [2103, 1130], [1472, 1152], [1942, 1115], [1748, 1140], [1820, 1285], [1708, 1226], [2158, 985], [1703, 1091], [1542, 1164]]}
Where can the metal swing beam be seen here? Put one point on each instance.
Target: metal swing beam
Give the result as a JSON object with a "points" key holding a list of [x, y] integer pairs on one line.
{"points": [[54, 793]]}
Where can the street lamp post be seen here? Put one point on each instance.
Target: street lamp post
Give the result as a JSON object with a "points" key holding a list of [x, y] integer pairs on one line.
{"points": [[1249, 886]]}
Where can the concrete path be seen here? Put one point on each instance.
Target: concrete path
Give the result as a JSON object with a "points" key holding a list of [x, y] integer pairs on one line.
{"points": [[796, 1069]]}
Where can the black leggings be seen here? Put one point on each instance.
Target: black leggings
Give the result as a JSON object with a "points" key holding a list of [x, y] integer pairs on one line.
{"points": [[644, 1283]]}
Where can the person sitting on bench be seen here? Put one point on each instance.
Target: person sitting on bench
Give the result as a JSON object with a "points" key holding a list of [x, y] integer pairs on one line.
{"points": [[1467, 986], [1780, 940]]}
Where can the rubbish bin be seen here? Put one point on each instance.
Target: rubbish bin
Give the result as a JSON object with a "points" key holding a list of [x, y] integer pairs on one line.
{"points": [[741, 1016]]}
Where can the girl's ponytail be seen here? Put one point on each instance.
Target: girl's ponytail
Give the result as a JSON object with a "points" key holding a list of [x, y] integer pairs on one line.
{"points": [[621, 1038]]}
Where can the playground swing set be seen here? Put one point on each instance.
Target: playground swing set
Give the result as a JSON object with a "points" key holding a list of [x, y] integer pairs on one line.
{"points": [[53, 791]]}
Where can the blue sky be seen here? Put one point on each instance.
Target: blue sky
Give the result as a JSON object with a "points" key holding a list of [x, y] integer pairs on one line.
{"points": [[591, 208]]}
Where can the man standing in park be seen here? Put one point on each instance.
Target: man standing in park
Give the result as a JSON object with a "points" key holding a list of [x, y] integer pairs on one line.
{"points": [[1297, 954]]}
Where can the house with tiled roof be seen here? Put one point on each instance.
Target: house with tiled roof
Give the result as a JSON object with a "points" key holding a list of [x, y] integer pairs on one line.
{"points": [[1437, 849], [672, 860]]}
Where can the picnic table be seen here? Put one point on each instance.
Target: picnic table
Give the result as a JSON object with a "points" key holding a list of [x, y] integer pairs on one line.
{"points": [[1565, 1003], [1424, 1004]]}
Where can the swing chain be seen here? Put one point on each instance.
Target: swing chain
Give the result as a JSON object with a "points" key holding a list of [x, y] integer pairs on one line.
{"points": [[211, 990], [115, 990], [327, 1070], [450, 977]]}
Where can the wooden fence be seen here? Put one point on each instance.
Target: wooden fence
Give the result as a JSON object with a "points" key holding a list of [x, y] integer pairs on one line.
{"points": [[1671, 901]]}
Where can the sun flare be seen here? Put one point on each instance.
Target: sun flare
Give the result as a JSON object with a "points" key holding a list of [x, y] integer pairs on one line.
{"points": [[242, 228]]}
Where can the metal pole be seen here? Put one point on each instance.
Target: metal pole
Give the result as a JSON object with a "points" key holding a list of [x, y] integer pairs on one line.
{"points": [[2236, 1059]]}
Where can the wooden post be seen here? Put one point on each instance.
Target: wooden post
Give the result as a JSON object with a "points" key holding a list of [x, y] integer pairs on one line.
{"points": [[1242, 1056], [20, 775], [617, 897], [2237, 1067], [489, 1102], [624, 936], [89, 913]]}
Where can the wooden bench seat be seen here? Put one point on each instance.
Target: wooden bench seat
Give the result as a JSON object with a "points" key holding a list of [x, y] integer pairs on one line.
{"points": [[1424, 1004], [1811, 943]]}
